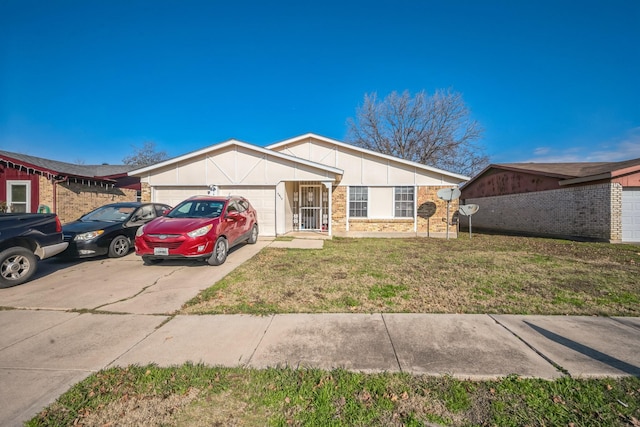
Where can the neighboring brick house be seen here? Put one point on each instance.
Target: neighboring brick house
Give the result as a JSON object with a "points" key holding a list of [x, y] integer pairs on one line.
{"points": [[33, 184], [313, 184], [588, 200]]}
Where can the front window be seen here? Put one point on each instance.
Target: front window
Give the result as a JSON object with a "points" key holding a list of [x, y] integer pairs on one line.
{"points": [[403, 202], [358, 198]]}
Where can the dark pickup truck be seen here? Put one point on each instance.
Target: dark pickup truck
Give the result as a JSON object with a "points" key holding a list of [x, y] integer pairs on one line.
{"points": [[24, 240]]}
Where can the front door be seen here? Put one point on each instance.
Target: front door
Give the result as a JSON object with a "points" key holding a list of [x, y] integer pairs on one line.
{"points": [[19, 196], [310, 207]]}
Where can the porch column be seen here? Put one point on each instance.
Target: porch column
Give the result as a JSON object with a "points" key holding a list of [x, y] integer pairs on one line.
{"points": [[328, 186]]}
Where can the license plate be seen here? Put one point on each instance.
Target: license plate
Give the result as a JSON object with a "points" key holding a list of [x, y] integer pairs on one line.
{"points": [[161, 251]]}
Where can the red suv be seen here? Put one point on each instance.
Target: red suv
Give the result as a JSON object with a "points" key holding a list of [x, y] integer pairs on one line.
{"points": [[201, 227]]}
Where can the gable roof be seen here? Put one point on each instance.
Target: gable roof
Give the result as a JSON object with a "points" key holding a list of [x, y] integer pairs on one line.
{"points": [[569, 173], [57, 168], [344, 145], [231, 143]]}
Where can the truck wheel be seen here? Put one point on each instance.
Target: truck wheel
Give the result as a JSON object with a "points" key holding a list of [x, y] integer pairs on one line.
{"points": [[17, 265], [119, 247], [219, 255]]}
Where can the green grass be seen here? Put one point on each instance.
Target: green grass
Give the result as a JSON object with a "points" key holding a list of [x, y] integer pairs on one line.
{"points": [[487, 274], [197, 395]]}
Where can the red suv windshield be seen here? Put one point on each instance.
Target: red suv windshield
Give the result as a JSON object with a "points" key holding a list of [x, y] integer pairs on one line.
{"points": [[198, 209]]}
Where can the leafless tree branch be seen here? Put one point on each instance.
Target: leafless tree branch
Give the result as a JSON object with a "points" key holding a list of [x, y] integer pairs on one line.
{"points": [[435, 130]]}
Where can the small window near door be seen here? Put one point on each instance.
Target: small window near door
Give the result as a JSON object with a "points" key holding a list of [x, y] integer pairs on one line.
{"points": [[19, 196], [358, 198]]}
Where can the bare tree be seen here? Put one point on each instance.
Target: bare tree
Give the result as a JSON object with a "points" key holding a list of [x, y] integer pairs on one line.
{"points": [[435, 130], [145, 155]]}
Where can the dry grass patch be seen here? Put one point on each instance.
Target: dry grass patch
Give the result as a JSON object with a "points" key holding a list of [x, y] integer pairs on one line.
{"points": [[193, 395], [486, 274]]}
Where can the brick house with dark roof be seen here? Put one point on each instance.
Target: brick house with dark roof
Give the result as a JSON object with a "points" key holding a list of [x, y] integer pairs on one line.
{"points": [[587, 200], [33, 184]]}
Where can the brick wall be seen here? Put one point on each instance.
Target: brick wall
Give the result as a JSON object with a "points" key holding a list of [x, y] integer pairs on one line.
{"points": [[436, 224], [339, 207], [74, 200], [45, 192], [357, 225], [145, 192], [433, 225], [615, 223], [593, 212]]}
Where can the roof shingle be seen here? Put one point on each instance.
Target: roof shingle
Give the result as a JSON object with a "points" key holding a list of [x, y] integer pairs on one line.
{"points": [[62, 168]]}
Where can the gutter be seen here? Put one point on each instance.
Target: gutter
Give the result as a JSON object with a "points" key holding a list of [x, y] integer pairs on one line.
{"points": [[606, 175]]}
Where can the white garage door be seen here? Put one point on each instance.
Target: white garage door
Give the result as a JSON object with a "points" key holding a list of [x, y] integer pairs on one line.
{"points": [[631, 214], [262, 198], [174, 195]]}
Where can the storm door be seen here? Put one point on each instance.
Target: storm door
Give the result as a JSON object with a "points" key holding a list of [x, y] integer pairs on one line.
{"points": [[310, 207]]}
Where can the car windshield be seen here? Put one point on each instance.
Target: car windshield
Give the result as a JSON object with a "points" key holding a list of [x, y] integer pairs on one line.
{"points": [[197, 209], [109, 213]]}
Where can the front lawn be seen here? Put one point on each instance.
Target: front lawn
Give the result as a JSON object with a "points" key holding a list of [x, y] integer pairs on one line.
{"points": [[484, 274]]}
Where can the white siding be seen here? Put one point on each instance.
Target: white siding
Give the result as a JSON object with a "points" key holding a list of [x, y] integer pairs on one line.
{"points": [[365, 169], [234, 166], [380, 202], [174, 195]]}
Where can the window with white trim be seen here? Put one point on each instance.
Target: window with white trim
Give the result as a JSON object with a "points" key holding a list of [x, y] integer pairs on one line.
{"points": [[358, 199], [403, 202], [19, 196]]}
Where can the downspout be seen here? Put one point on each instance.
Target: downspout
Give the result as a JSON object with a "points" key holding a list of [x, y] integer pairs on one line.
{"points": [[55, 182]]}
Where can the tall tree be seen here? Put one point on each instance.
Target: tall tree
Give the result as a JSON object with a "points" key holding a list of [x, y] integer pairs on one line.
{"points": [[435, 130], [145, 155]]}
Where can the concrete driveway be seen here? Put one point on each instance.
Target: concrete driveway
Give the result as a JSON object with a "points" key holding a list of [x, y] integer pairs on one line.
{"points": [[62, 326], [121, 285]]}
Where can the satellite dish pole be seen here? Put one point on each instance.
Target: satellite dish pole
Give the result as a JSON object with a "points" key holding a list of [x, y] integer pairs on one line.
{"points": [[469, 210], [448, 194]]}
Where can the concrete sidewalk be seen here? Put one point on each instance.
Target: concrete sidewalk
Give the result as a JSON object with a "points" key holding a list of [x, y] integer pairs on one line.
{"points": [[37, 365], [45, 347], [464, 346]]}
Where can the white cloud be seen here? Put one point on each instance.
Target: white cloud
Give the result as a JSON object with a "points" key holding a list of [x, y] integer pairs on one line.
{"points": [[541, 151], [625, 147]]}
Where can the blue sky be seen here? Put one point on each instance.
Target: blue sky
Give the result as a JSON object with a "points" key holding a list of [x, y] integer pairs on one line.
{"points": [[88, 80]]}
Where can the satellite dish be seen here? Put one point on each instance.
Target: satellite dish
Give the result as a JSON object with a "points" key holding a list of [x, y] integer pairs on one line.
{"points": [[468, 210], [427, 210], [449, 194]]}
